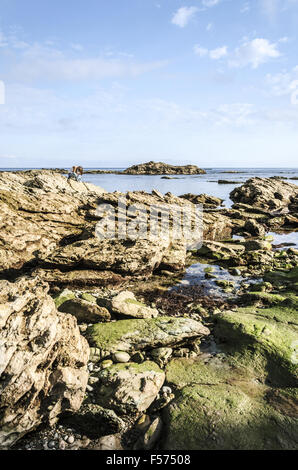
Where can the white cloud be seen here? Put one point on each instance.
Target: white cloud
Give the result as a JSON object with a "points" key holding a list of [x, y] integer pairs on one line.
{"points": [[218, 53], [183, 15], [209, 26], [282, 83], [254, 53], [214, 54]]}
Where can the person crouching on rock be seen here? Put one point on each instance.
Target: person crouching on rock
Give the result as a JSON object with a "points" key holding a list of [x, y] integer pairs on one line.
{"points": [[76, 173], [79, 173], [72, 175]]}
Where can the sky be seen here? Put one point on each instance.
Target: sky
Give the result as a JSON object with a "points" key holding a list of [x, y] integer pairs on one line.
{"points": [[111, 83]]}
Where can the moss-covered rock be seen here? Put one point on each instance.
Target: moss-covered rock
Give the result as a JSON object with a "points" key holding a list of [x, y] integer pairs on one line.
{"points": [[225, 408], [88, 297], [138, 334], [262, 340]]}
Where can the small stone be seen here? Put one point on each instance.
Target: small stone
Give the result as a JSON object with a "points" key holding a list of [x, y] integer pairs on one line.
{"points": [[121, 356], [62, 445], [70, 439]]}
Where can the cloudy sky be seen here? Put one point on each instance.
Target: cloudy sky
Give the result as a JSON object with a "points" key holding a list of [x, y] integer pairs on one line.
{"points": [[109, 83]]}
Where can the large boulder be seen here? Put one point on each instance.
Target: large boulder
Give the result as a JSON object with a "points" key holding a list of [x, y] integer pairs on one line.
{"points": [[159, 168], [270, 194], [136, 335], [43, 359]]}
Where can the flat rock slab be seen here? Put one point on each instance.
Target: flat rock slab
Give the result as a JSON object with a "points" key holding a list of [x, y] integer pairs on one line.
{"points": [[133, 335]]}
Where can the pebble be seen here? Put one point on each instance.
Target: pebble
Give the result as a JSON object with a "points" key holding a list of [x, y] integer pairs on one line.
{"points": [[70, 439], [89, 388], [51, 444], [62, 445], [121, 356]]}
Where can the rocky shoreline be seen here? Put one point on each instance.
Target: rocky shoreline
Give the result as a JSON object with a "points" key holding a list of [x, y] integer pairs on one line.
{"points": [[104, 347]]}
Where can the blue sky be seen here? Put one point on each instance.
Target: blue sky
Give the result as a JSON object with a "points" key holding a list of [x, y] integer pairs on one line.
{"points": [[109, 83]]}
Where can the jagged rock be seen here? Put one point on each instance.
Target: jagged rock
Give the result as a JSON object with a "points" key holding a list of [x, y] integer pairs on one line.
{"points": [[205, 199], [270, 194], [43, 359], [254, 228], [137, 335], [38, 211], [126, 304], [128, 388], [159, 168]]}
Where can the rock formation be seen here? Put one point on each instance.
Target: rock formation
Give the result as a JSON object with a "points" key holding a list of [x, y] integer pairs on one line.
{"points": [[269, 194], [43, 359], [159, 168]]}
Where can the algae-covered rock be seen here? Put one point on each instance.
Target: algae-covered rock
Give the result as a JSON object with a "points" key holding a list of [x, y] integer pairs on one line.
{"points": [[139, 334], [88, 297], [65, 295], [263, 340], [224, 408], [129, 388]]}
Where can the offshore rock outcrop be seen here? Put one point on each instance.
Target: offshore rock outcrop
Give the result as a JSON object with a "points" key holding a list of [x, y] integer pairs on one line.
{"points": [[160, 168], [43, 359]]}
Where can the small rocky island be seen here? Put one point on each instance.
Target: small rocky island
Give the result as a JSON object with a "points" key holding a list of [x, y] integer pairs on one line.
{"points": [[159, 168], [103, 346]]}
